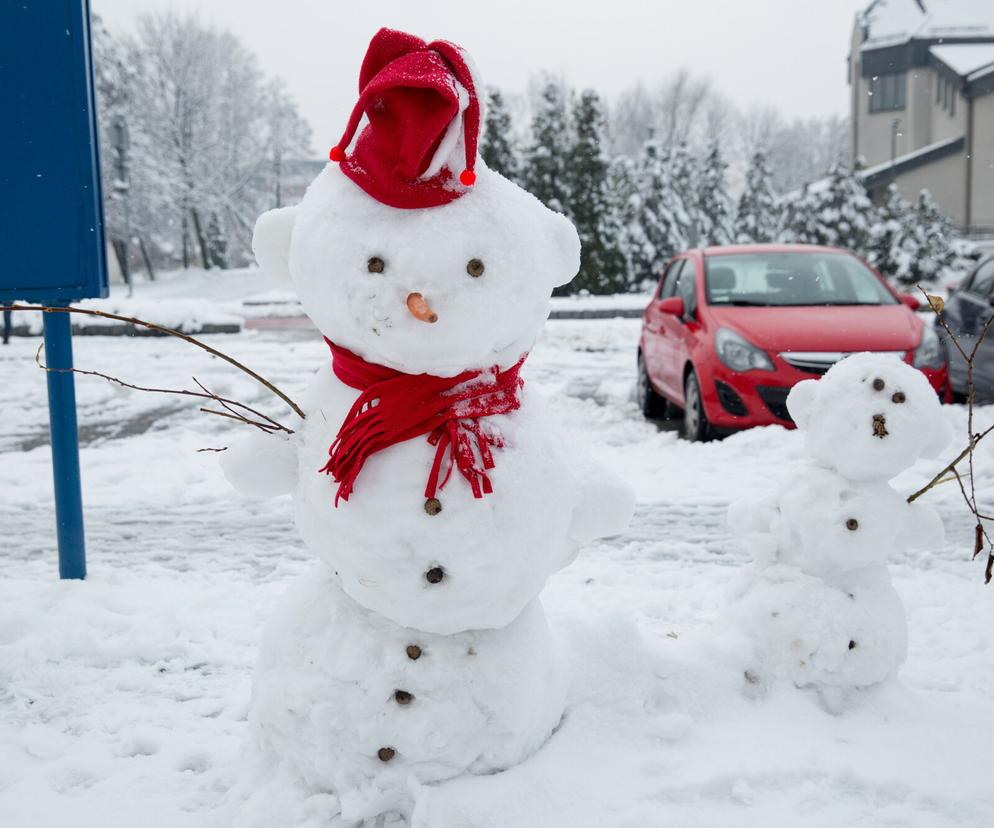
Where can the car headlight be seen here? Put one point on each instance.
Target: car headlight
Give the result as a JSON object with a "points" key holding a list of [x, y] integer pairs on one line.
{"points": [[930, 353], [738, 353]]}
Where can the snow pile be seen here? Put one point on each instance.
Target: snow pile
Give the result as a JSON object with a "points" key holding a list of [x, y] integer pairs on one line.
{"points": [[818, 607], [124, 700], [417, 650]]}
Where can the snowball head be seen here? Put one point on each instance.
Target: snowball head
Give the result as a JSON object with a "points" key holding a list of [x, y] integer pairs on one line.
{"points": [[485, 264], [870, 417], [348, 702]]}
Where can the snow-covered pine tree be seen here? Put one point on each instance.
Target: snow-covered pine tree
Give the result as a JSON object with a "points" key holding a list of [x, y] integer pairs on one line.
{"points": [[892, 247], [835, 211], [654, 218], [627, 204], [497, 144], [684, 175], [714, 207], [758, 218], [545, 157], [602, 265], [933, 232]]}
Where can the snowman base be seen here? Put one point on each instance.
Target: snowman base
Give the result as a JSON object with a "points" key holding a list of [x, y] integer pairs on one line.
{"points": [[834, 638], [353, 712]]}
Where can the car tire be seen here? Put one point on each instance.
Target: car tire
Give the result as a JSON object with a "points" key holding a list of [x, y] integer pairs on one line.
{"points": [[651, 404], [696, 428]]}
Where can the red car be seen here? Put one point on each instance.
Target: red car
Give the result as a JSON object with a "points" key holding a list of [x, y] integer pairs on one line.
{"points": [[730, 330]]}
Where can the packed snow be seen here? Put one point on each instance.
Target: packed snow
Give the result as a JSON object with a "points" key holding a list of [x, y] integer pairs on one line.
{"points": [[125, 698]]}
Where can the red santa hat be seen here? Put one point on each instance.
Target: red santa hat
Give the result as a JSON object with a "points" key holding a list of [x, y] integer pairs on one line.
{"points": [[421, 103]]}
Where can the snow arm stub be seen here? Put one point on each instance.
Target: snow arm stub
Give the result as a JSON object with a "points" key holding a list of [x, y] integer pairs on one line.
{"points": [[262, 465], [605, 504]]}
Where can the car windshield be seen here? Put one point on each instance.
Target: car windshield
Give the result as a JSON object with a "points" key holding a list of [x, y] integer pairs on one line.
{"points": [[792, 279]]}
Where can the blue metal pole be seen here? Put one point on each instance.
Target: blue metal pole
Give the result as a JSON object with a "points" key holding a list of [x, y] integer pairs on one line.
{"points": [[65, 446]]}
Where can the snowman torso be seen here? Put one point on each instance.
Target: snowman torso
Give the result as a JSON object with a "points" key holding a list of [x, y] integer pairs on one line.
{"points": [[494, 553]]}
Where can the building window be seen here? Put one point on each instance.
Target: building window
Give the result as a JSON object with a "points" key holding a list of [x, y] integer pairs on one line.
{"points": [[945, 94], [888, 92]]}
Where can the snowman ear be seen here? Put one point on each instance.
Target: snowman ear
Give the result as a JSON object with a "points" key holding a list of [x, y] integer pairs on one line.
{"points": [[271, 241], [801, 400], [567, 243]]}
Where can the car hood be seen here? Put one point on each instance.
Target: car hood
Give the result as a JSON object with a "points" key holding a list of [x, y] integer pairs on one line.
{"points": [[845, 328]]}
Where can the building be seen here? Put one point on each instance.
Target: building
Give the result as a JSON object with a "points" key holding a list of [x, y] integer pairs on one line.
{"points": [[921, 74]]}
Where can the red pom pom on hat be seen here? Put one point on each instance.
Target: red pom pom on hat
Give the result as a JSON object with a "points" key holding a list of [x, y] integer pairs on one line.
{"points": [[467, 178], [337, 154]]}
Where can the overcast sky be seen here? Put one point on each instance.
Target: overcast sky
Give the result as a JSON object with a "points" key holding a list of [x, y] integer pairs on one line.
{"points": [[790, 53]]}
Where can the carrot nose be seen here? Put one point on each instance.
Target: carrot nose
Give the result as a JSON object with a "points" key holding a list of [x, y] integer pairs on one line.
{"points": [[420, 309]]}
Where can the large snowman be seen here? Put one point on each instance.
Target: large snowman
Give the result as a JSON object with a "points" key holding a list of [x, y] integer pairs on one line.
{"points": [[428, 478], [818, 608]]}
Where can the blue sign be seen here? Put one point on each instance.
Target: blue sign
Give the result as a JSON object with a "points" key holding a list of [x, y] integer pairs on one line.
{"points": [[50, 198], [51, 211]]}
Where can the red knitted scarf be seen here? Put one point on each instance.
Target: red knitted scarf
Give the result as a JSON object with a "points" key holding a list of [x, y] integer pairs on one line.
{"points": [[393, 407]]}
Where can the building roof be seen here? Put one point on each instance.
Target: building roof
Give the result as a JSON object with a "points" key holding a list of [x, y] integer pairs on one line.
{"points": [[879, 173], [892, 22], [968, 60]]}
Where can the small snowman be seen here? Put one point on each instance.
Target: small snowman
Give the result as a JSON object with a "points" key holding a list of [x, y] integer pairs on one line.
{"points": [[817, 607], [428, 478]]}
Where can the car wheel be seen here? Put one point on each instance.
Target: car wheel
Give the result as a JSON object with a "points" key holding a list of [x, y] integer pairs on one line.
{"points": [[696, 427], [651, 404]]}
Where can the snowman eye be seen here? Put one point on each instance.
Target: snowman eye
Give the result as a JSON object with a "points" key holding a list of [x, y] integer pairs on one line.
{"points": [[852, 524], [899, 397], [474, 267], [878, 384], [375, 265]]}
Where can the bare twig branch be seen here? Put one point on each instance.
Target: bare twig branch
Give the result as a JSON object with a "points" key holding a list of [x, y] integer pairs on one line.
{"points": [[950, 468], [269, 424], [239, 418], [981, 536], [171, 332]]}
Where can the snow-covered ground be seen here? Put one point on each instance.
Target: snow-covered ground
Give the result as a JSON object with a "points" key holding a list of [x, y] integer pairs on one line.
{"points": [[123, 698]]}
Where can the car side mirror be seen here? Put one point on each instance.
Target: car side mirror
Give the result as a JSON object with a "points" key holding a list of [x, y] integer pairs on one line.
{"points": [[910, 301], [672, 306]]}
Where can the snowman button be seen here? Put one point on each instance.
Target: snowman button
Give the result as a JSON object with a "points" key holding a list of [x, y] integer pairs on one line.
{"points": [[433, 506], [878, 384], [385, 754], [413, 652], [435, 575], [852, 524], [852, 645], [403, 697]]}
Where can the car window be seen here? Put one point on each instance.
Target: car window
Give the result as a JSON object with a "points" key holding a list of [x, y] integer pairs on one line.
{"points": [[793, 278], [686, 288], [670, 279], [983, 280]]}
